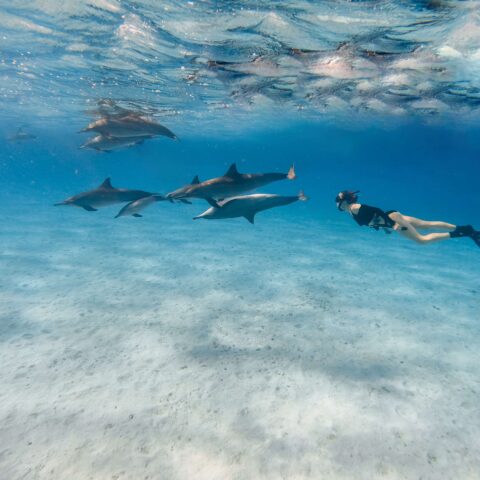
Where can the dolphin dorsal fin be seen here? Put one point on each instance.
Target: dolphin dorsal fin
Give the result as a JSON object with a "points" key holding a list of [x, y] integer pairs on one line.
{"points": [[106, 184], [195, 180], [232, 171]]}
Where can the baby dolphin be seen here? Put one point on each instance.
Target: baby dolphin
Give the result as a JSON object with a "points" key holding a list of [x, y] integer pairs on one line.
{"points": [[107, 144], [247, 206], [130, 125], [103, 196], [136, 206], [232, 183]]}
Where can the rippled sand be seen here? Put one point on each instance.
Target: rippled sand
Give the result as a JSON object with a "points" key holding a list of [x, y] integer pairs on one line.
{"points": [[161, 348]]}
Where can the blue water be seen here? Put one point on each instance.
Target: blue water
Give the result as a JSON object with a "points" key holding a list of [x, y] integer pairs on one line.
{"points": [[301, 347], [427, 171]]}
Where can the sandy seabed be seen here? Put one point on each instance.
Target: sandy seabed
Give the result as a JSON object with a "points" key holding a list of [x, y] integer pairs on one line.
{"points": [[161, 348]]}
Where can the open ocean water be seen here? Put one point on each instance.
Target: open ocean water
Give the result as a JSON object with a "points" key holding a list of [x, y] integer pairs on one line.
{"points": [[299, 347]]}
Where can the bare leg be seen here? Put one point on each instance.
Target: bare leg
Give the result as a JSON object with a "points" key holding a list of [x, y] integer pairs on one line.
{"points": [[426, 225], [406, 229]]}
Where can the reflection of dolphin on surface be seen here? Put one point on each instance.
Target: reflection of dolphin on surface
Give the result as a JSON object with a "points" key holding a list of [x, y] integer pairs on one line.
{"points": [[128, 125], [107, 144], [21, 136], [103, 196], [136, 206], [247, 206], [232, 183]]}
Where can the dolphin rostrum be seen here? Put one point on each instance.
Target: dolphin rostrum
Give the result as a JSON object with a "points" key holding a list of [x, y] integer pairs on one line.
{"points": [[128, 125], [232, 183], [103, 196], [103, 143], [136, 206], [247, 206]]}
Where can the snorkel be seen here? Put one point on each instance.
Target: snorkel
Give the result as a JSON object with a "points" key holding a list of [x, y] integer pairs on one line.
{"points": [[346, 196]]}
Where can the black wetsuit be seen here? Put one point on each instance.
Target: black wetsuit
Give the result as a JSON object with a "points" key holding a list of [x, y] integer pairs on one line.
{"points": [[373, 217]]}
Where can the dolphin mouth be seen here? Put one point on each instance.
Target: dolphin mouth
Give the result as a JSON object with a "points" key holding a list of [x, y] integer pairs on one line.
{"points": [[60, 204]]}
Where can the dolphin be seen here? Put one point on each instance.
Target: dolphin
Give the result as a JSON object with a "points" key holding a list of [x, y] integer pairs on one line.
{"points": [[232, 183], [103, 196], [136, 206], [129, 125], [103, 143], [21, 136], [247, 206]]}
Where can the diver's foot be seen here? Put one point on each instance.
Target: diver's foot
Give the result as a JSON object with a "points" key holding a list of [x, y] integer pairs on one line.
{"points": [[463, 231]]}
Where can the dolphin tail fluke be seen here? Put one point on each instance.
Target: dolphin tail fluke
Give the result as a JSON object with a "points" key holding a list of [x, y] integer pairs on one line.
{"points": [[302, 197], [291, 175]]}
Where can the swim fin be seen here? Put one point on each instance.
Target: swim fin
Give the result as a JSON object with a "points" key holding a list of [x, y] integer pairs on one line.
{"points": [[463, 231]]}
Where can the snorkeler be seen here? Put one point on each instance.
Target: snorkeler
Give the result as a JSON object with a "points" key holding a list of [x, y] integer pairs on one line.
{"points": [[407, 226]]}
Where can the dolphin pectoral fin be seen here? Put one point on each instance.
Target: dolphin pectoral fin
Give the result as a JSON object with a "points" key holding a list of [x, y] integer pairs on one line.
{"points": [[188, 202], [137, 215], [250, 217], [88, 208], [212, 202]]}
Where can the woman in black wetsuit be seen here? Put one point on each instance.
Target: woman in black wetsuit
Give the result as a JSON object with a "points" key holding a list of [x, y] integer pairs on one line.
{"points": [[407, 226]]}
